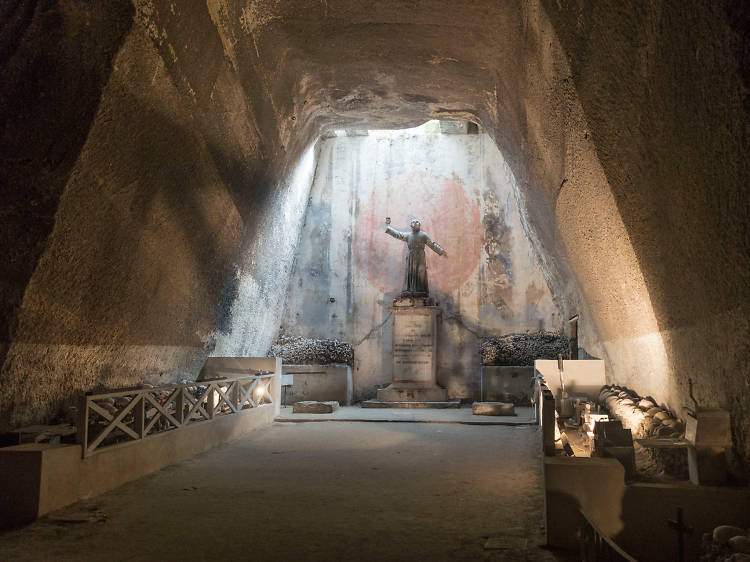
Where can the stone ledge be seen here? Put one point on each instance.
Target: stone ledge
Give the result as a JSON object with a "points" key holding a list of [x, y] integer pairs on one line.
{"points": [[412, 392], [39, 478], [411, 404]]}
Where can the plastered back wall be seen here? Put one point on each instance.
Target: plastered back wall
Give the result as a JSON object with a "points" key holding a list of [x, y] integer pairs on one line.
{"points": [[347, 270]]}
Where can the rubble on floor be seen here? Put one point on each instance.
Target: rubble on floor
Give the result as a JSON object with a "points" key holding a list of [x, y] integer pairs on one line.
{"points": [[522, 349], [297, 350]]}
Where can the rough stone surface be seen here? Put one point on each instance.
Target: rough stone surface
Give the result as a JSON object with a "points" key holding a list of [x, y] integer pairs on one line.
{"points": [[493, 409], [146, 215], [309, 351], [312, 407], [522, 349], [142, 210]]}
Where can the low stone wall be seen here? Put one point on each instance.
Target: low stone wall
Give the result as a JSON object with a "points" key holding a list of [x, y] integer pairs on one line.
{"points": [[320, 383], [646, 508], [635, 515], [593, 485], [39, 478], [508, 384], [584, 377]]}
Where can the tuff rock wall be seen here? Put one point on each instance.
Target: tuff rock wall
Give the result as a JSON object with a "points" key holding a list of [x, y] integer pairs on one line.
{"points": [[145, 145], [145, 204]]}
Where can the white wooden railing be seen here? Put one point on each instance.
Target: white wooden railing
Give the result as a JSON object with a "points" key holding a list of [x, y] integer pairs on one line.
{"points": [[127, 416]]}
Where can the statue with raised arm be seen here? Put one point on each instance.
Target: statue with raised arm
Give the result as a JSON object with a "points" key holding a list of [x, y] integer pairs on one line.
{"points": [[415, 284]]}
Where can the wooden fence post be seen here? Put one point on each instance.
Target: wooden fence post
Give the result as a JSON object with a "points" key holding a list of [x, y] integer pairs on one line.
{"points": [[139, 415]]}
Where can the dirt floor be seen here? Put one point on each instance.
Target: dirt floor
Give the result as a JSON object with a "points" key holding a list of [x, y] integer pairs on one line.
{"points": [[318, 491]]}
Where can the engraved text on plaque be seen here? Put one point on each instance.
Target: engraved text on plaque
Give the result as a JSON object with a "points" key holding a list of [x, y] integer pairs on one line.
{"points": [[414, 348]]}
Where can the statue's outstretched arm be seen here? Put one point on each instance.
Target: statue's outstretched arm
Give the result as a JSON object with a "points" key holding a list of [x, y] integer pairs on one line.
{"points": [[435, 247], [395, 233]]}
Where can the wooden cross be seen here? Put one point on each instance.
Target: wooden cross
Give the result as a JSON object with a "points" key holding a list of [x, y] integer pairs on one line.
{"points": [[682, 530]]}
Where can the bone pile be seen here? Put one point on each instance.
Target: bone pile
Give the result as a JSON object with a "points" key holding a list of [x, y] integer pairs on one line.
{"points": [[307, 351], [642, 416], [727, 543], [646, 419], [522, 349]]}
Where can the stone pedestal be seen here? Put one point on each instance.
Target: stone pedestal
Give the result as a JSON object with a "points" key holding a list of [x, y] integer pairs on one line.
{"points": [[414, 353]]}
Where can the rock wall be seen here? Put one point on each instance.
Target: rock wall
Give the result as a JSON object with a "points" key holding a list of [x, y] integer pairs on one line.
{"points": [[664, 89], [143, 145], [348, 270], [149, 198]]}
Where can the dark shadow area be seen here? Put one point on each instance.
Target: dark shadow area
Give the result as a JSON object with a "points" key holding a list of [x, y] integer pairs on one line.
{"points": [[104, 316], [54, 66], [648, 508]]}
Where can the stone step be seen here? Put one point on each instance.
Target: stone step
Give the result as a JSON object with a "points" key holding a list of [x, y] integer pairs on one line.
{"points": [[384, 404]]}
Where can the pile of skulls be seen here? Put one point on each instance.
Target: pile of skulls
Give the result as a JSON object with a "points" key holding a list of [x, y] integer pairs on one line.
{"points": [[726, 544], [642, 416], [522, 349], [645, 419], [307, 351]]}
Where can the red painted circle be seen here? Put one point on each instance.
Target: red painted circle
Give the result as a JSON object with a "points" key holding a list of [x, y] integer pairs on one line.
{"points": [[447, 215]]}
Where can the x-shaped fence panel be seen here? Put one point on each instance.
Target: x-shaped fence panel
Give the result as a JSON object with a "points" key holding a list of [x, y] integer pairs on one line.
{"points": [[120, 417]]}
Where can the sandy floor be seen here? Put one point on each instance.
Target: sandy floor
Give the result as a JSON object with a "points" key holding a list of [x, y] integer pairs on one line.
{"points": [[318, 491]]}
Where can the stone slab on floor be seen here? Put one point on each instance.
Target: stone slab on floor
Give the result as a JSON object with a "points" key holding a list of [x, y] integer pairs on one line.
{"points": [[387, 404], [405, 392], [314, 407], [493, 409]]}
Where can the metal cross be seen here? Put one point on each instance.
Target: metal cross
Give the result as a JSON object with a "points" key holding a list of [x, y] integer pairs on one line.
{"points": [[682, 530]]}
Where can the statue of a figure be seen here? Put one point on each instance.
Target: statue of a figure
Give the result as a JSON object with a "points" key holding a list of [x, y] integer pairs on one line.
{"points": [[416, 269]]}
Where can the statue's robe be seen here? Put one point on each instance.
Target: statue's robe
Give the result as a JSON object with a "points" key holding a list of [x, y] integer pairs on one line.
{"points": [[415, 283]]}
